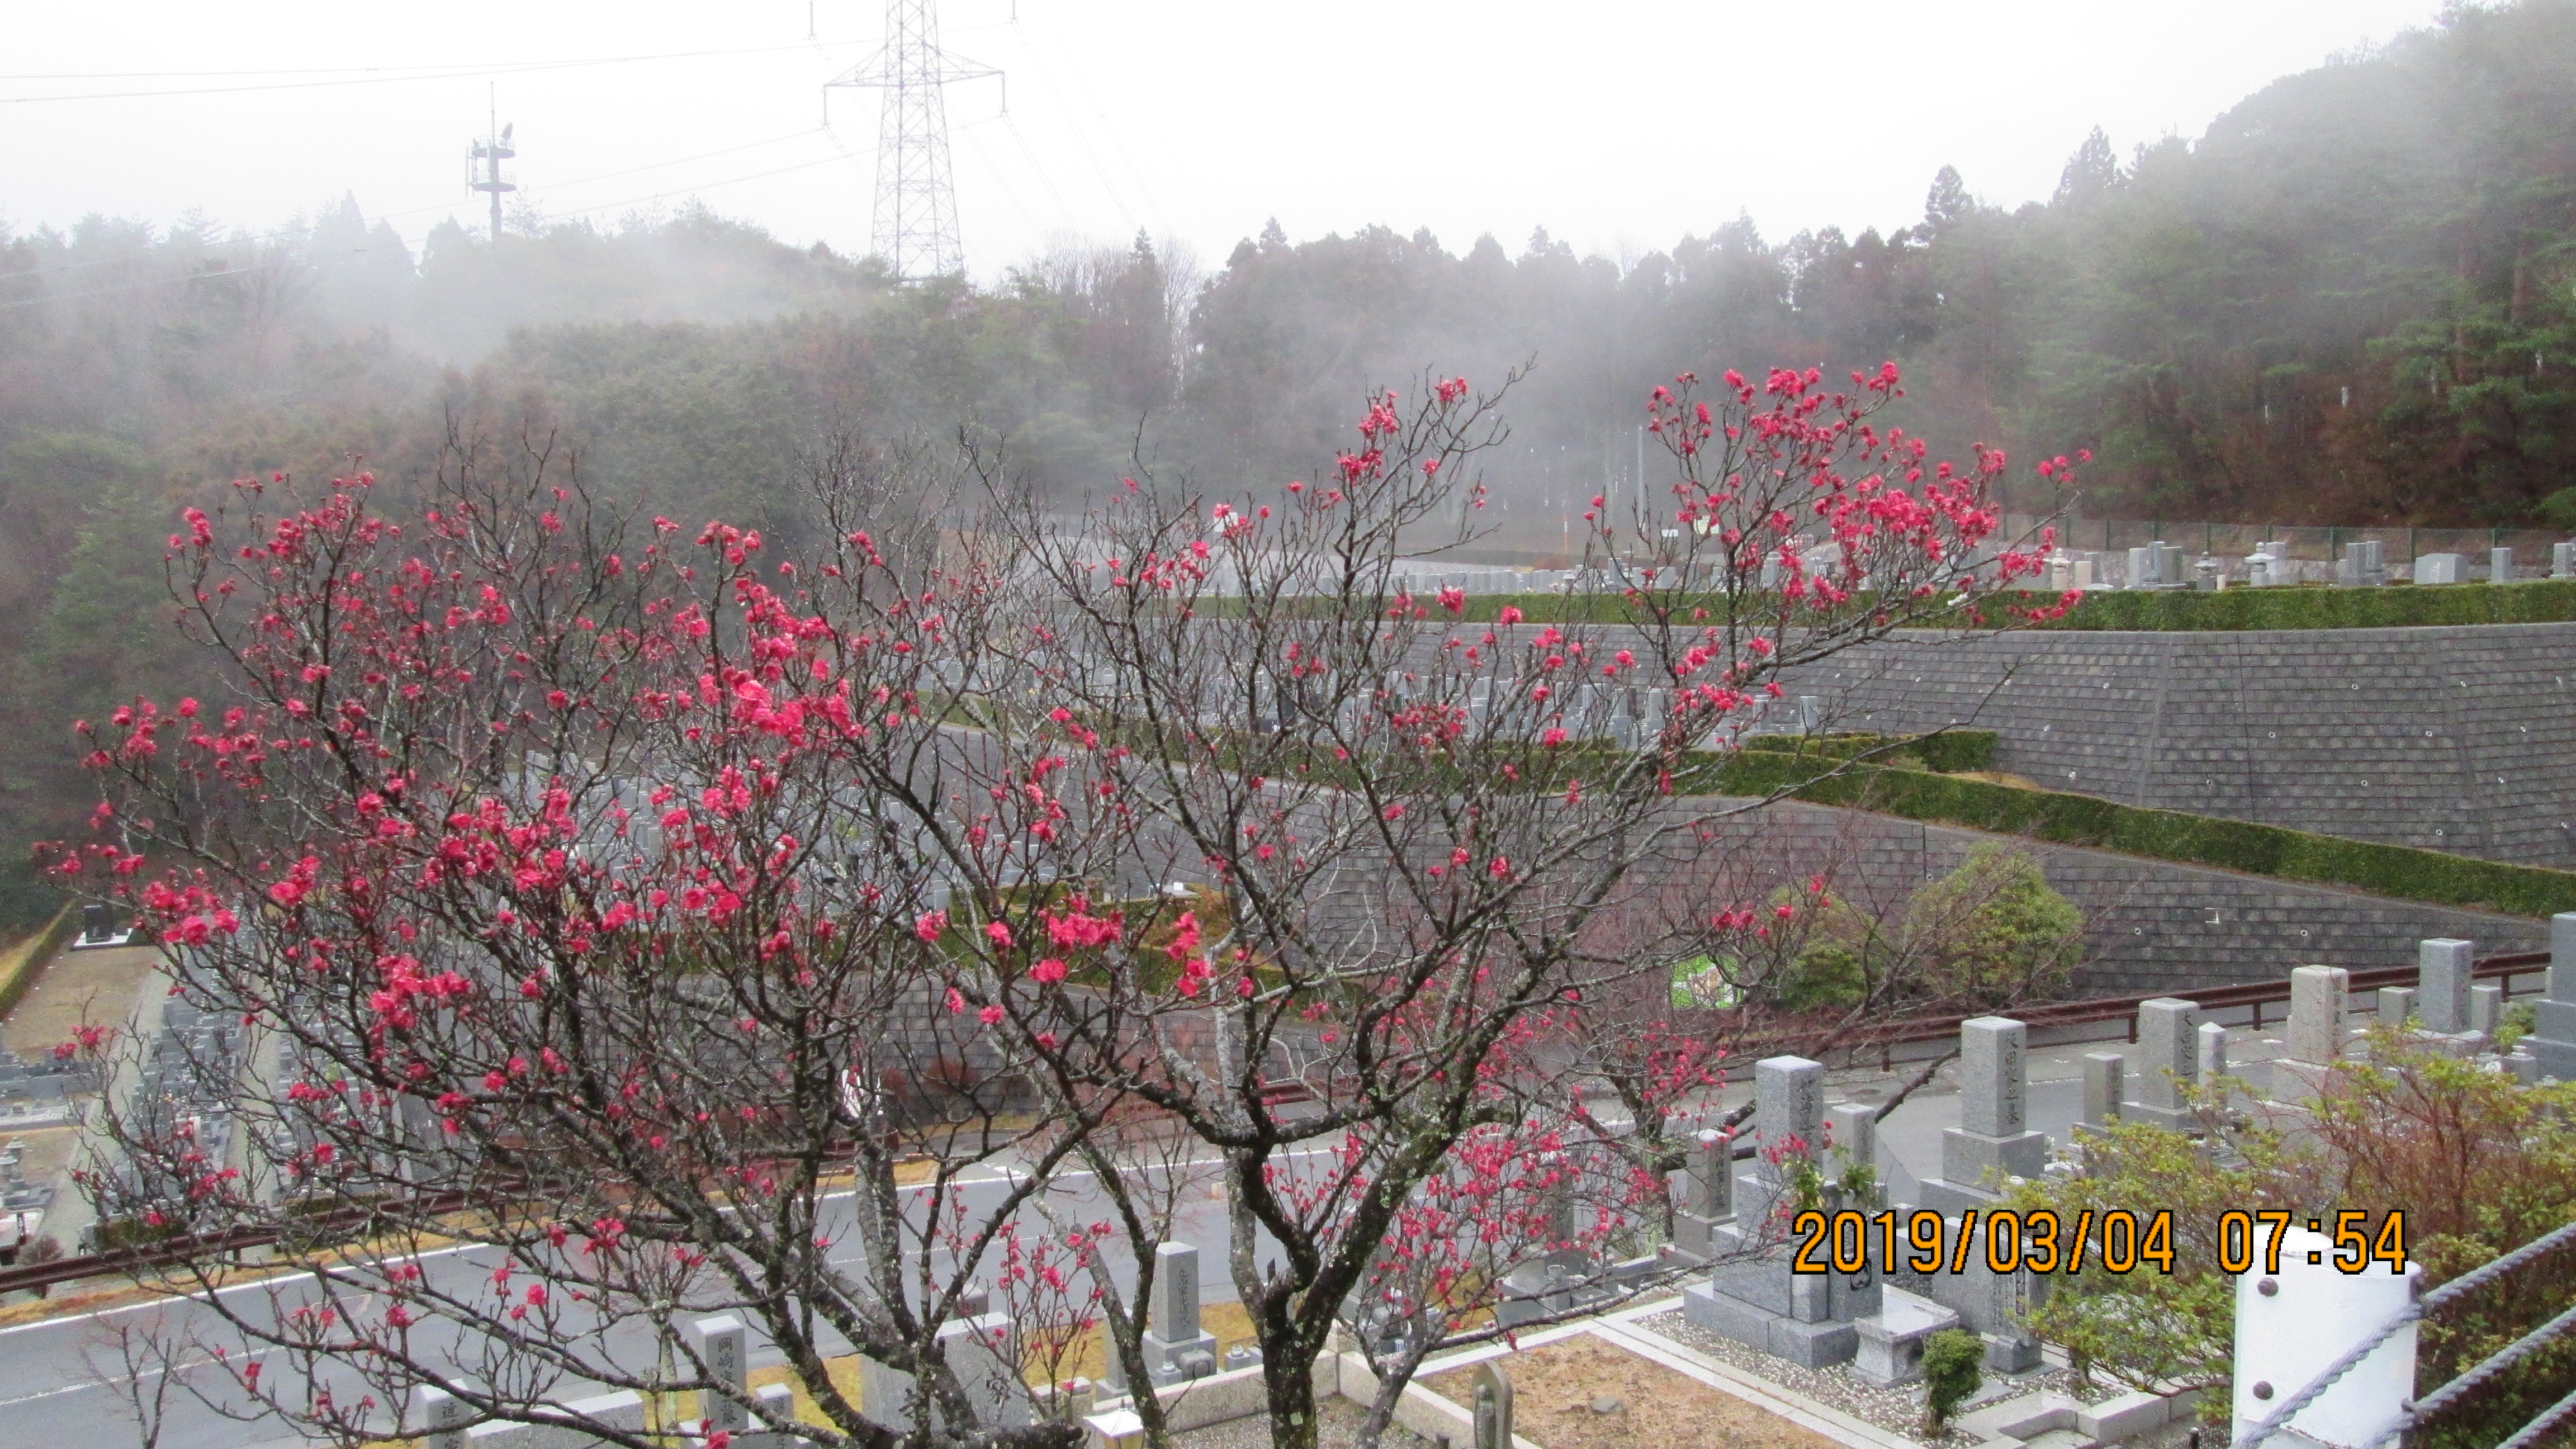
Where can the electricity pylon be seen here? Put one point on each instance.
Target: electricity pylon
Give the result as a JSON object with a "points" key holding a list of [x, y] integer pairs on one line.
{"points": [[915, 224]]}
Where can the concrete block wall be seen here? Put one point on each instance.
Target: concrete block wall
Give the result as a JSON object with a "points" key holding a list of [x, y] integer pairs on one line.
{"points": [[2151, 925], [2456, 738]]}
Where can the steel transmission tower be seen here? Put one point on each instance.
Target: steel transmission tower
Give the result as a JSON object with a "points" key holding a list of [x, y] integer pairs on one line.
{"points": [[915, 224]]}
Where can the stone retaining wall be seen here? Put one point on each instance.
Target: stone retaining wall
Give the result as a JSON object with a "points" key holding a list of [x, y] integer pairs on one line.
{"points": [[2458, 738]]}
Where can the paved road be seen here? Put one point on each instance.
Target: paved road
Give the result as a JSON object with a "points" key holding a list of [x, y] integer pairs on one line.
{"points": [[66, 1381]]}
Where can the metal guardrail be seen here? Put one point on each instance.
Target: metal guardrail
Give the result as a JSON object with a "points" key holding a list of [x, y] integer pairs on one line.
{"points": [[2256, 995]]}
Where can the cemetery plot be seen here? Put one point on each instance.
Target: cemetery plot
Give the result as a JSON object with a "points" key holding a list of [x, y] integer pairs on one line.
{"points": [[103, 983], [1585, 1393]]}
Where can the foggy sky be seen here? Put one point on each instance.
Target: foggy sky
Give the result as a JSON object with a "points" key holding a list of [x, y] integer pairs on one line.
{"points": [[1617, 129]]}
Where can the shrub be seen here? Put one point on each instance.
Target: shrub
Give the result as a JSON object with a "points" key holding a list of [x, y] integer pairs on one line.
{"points": [[1954, 1366]]}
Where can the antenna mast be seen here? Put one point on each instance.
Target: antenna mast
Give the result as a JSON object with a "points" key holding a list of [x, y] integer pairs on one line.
{"points": [[488, 155], [914, 228]]}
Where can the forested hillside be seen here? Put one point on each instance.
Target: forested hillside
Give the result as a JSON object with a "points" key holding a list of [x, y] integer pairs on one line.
{"points": [[2352, 301]]}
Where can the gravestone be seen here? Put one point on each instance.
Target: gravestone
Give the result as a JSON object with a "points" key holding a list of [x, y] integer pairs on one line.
{"points": [[2443, 965], [1754, 1298], [2486, 1010], [1708, 1201], [777, 1406], [980, 1353], [2167, 1035], [444, 1415], [2396, 1005], [721, 1346], [2562, 560], [1788, 1108], [1855, 1138], [1993, 1141], [2552, 1042], [1493, 1406], [2499, 565], [2102, 1073], [2437, 568], [1175, 1326], [2209, 1053], [2317, 1004], [2319, 1000], [2364, 565]]}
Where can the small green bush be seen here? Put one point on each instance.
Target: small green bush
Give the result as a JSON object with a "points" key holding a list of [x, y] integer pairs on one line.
{"points": [[1954, 1367]]}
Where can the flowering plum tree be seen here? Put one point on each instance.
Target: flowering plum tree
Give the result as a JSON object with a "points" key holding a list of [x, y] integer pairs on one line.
{"points": [[1419, 822], [697, 930]]}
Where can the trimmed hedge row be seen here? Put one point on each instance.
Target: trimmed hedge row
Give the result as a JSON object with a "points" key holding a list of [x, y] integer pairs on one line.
{"points": [[2315, 606], [1948, 751], [2303, 606], [2067, 819]]}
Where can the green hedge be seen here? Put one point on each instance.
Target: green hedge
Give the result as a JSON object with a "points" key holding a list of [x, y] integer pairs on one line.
{"points": [[2302, 606], [2315, 606], [2267, 850]]}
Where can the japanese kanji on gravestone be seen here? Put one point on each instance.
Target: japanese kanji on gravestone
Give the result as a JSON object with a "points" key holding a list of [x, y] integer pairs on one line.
{"points": [[721, 1345], [1175, 1333], [1993, 1141], [1789, 1108], [2168, 1033], [2102, 1086]]}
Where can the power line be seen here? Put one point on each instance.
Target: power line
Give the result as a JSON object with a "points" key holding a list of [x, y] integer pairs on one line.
{"points": [[285, 233], [335, 258], [374, 77]]}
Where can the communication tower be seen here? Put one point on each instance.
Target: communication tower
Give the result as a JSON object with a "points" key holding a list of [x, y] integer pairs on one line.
{"points": [[485, 173], [914, 227]]}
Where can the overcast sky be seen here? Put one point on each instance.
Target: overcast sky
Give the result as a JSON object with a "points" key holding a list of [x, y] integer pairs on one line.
{"points": [[1617, 129]]}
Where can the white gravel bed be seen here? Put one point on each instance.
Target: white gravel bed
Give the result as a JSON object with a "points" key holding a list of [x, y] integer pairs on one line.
{"points": [[1897, 1410]]}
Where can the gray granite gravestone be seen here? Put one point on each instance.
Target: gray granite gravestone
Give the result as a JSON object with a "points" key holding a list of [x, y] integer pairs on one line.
{"points": [[2396, 1005], [2102, 1087], [2168, 1033], [2443, 965], [1175, 1326], [2552, 1042], [722, 1345], [2317, 1003], [1993, 1141], [1708, 1200], [444, 1415], [2209, 1052], [2486, 1009], [1855, 1137], [1789, 1108]]}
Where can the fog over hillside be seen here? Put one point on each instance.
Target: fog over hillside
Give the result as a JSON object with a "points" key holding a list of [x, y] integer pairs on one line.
{"points": [[2353, 300]]}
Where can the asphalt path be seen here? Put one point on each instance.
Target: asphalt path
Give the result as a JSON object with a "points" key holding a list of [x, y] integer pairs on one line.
{"points": [[67, 1381]]}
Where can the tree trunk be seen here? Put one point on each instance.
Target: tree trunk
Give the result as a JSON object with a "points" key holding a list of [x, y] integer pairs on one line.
{"points": [[1290, 1387]]}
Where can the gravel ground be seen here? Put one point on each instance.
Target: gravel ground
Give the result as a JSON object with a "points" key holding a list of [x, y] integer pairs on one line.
{"points": [[1340, 1419], [1897, 1410]]}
